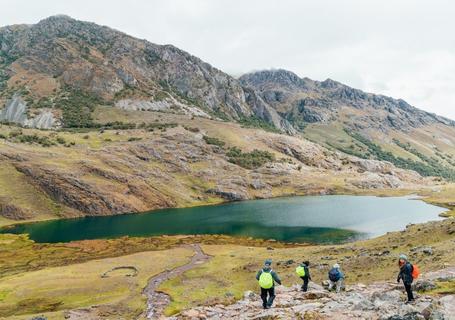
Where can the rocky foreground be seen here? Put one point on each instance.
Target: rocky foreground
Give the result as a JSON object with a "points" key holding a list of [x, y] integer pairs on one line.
{"points": [[375, 301]]}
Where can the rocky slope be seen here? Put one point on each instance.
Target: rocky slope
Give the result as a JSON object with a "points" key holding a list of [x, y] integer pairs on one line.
{"points": [[302, 100], [46, 60], [139, 170], [377, 301], [360, 123]]}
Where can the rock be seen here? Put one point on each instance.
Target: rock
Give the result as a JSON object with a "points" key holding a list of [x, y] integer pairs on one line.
{"points": [[448, 306], [228, 195], [314, 295], [16, 111], [424, 285]]}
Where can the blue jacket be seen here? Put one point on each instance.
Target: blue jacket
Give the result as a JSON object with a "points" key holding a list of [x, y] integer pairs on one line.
{"points": [[405, 273]]}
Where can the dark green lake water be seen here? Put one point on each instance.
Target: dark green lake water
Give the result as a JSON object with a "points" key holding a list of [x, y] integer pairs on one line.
{"points": [[317, 219]]}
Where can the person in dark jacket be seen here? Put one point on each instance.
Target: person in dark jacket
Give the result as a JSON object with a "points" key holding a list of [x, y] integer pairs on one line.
{"points": [[405, 275], [307, 277], [270, 292]]}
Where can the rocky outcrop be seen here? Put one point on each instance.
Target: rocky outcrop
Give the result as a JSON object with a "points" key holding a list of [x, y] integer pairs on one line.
{"points": [[380, 301], [10, 211], [74, 193], [15, 111], [166, 105]]}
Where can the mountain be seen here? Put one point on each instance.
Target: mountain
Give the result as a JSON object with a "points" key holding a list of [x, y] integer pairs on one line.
{"points": [[132, 126], [46, 62], [303, 101], [359, 123]]}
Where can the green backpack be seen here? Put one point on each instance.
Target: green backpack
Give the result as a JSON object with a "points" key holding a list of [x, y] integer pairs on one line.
{"points": [[300, 271], [266, 280]]}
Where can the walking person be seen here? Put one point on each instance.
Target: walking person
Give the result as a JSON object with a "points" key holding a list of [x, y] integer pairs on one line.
{"points": [[267, 278], [304, 273], [407, 274], [336, 277]]}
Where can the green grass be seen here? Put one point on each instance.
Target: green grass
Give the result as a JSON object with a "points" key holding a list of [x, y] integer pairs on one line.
{"points": [[443, 287], [255, 122], [249, 160], [214, 141]]}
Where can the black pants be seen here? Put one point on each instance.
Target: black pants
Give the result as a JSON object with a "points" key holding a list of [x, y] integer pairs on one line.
{"points": [[409, 291], [305, 284], [271, 294]]}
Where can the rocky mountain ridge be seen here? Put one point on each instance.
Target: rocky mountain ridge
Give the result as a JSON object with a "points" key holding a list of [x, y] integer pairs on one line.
{"points": [[302, 100]]}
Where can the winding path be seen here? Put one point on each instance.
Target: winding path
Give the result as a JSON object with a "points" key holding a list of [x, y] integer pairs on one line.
{"points": [[158, 301]]}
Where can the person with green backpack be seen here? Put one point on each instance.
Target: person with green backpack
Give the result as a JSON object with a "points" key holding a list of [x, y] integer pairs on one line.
{"points": [[304, 273], [267, 278]]}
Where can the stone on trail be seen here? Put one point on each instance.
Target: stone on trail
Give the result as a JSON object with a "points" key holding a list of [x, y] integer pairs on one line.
{"points": [[377, 301]]}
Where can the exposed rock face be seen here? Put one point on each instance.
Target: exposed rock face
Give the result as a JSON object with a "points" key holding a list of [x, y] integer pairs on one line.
{"points": [[61, 51], [166, 105], [302, 100], [15, 111]]}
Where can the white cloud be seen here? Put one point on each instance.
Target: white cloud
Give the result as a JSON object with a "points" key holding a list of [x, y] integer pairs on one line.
{"points": [[402, 48]]}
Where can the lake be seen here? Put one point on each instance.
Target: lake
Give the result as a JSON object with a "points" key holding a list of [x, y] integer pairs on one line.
{"points": [[316, 219]]}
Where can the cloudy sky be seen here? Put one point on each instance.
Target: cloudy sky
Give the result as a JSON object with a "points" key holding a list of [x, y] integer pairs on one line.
{"points": [[401, 48]]}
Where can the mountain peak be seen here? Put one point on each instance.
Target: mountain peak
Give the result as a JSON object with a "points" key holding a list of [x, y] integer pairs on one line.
{"points": [[58, 17], [282, 77]]}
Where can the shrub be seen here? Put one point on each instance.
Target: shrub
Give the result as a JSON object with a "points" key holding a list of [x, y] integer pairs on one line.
{"points": [[77, 107], [134, 139], [214, 141], [60, 140], [255, 122], [41, 140], [249, 160]]}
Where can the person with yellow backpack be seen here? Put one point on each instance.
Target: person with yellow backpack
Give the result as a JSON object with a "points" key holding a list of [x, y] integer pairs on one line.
{"points": [[304, 273], [408, 273], [267, 278]]}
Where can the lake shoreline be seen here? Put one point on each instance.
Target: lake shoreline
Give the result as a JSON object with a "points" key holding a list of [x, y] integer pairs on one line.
{"points": [[306, 232], [376, 193]]}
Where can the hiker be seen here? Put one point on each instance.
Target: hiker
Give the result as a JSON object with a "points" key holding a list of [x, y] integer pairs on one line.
{"points": [[267, 278], [336, 278], [407, 274], [304, 273]]}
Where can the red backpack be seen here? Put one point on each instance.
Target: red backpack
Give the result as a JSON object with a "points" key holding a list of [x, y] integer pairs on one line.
{"points": [[415, 272]]}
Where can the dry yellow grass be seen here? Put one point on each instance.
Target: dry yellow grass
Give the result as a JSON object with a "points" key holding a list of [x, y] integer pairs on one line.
{"points": [[80, 285]]}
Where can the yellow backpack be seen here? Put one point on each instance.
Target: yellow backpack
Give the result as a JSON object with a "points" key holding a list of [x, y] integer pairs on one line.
{"points": [[300, 271], [266, 280]]}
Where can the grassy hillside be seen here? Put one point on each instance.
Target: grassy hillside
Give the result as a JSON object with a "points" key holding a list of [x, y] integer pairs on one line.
{"points": [[23, 265]]}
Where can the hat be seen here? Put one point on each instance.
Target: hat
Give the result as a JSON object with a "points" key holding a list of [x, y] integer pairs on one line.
{"points": [[336, 266], [268, 262], [403, 257]]}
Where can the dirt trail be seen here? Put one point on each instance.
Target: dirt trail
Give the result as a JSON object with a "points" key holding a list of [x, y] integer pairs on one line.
{"points": [[157, 301]]}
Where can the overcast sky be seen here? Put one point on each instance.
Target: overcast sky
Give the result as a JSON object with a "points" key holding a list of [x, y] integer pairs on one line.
{"points": [[401, 48]]}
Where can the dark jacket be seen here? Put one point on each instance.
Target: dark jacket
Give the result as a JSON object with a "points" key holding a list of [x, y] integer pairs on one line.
{"points": [[405, 273], [307, 271], [273, 273]]}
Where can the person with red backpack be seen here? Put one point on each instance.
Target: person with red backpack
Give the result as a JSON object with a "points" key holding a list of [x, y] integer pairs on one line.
{"points": [[267, 278], [407, 274]]}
